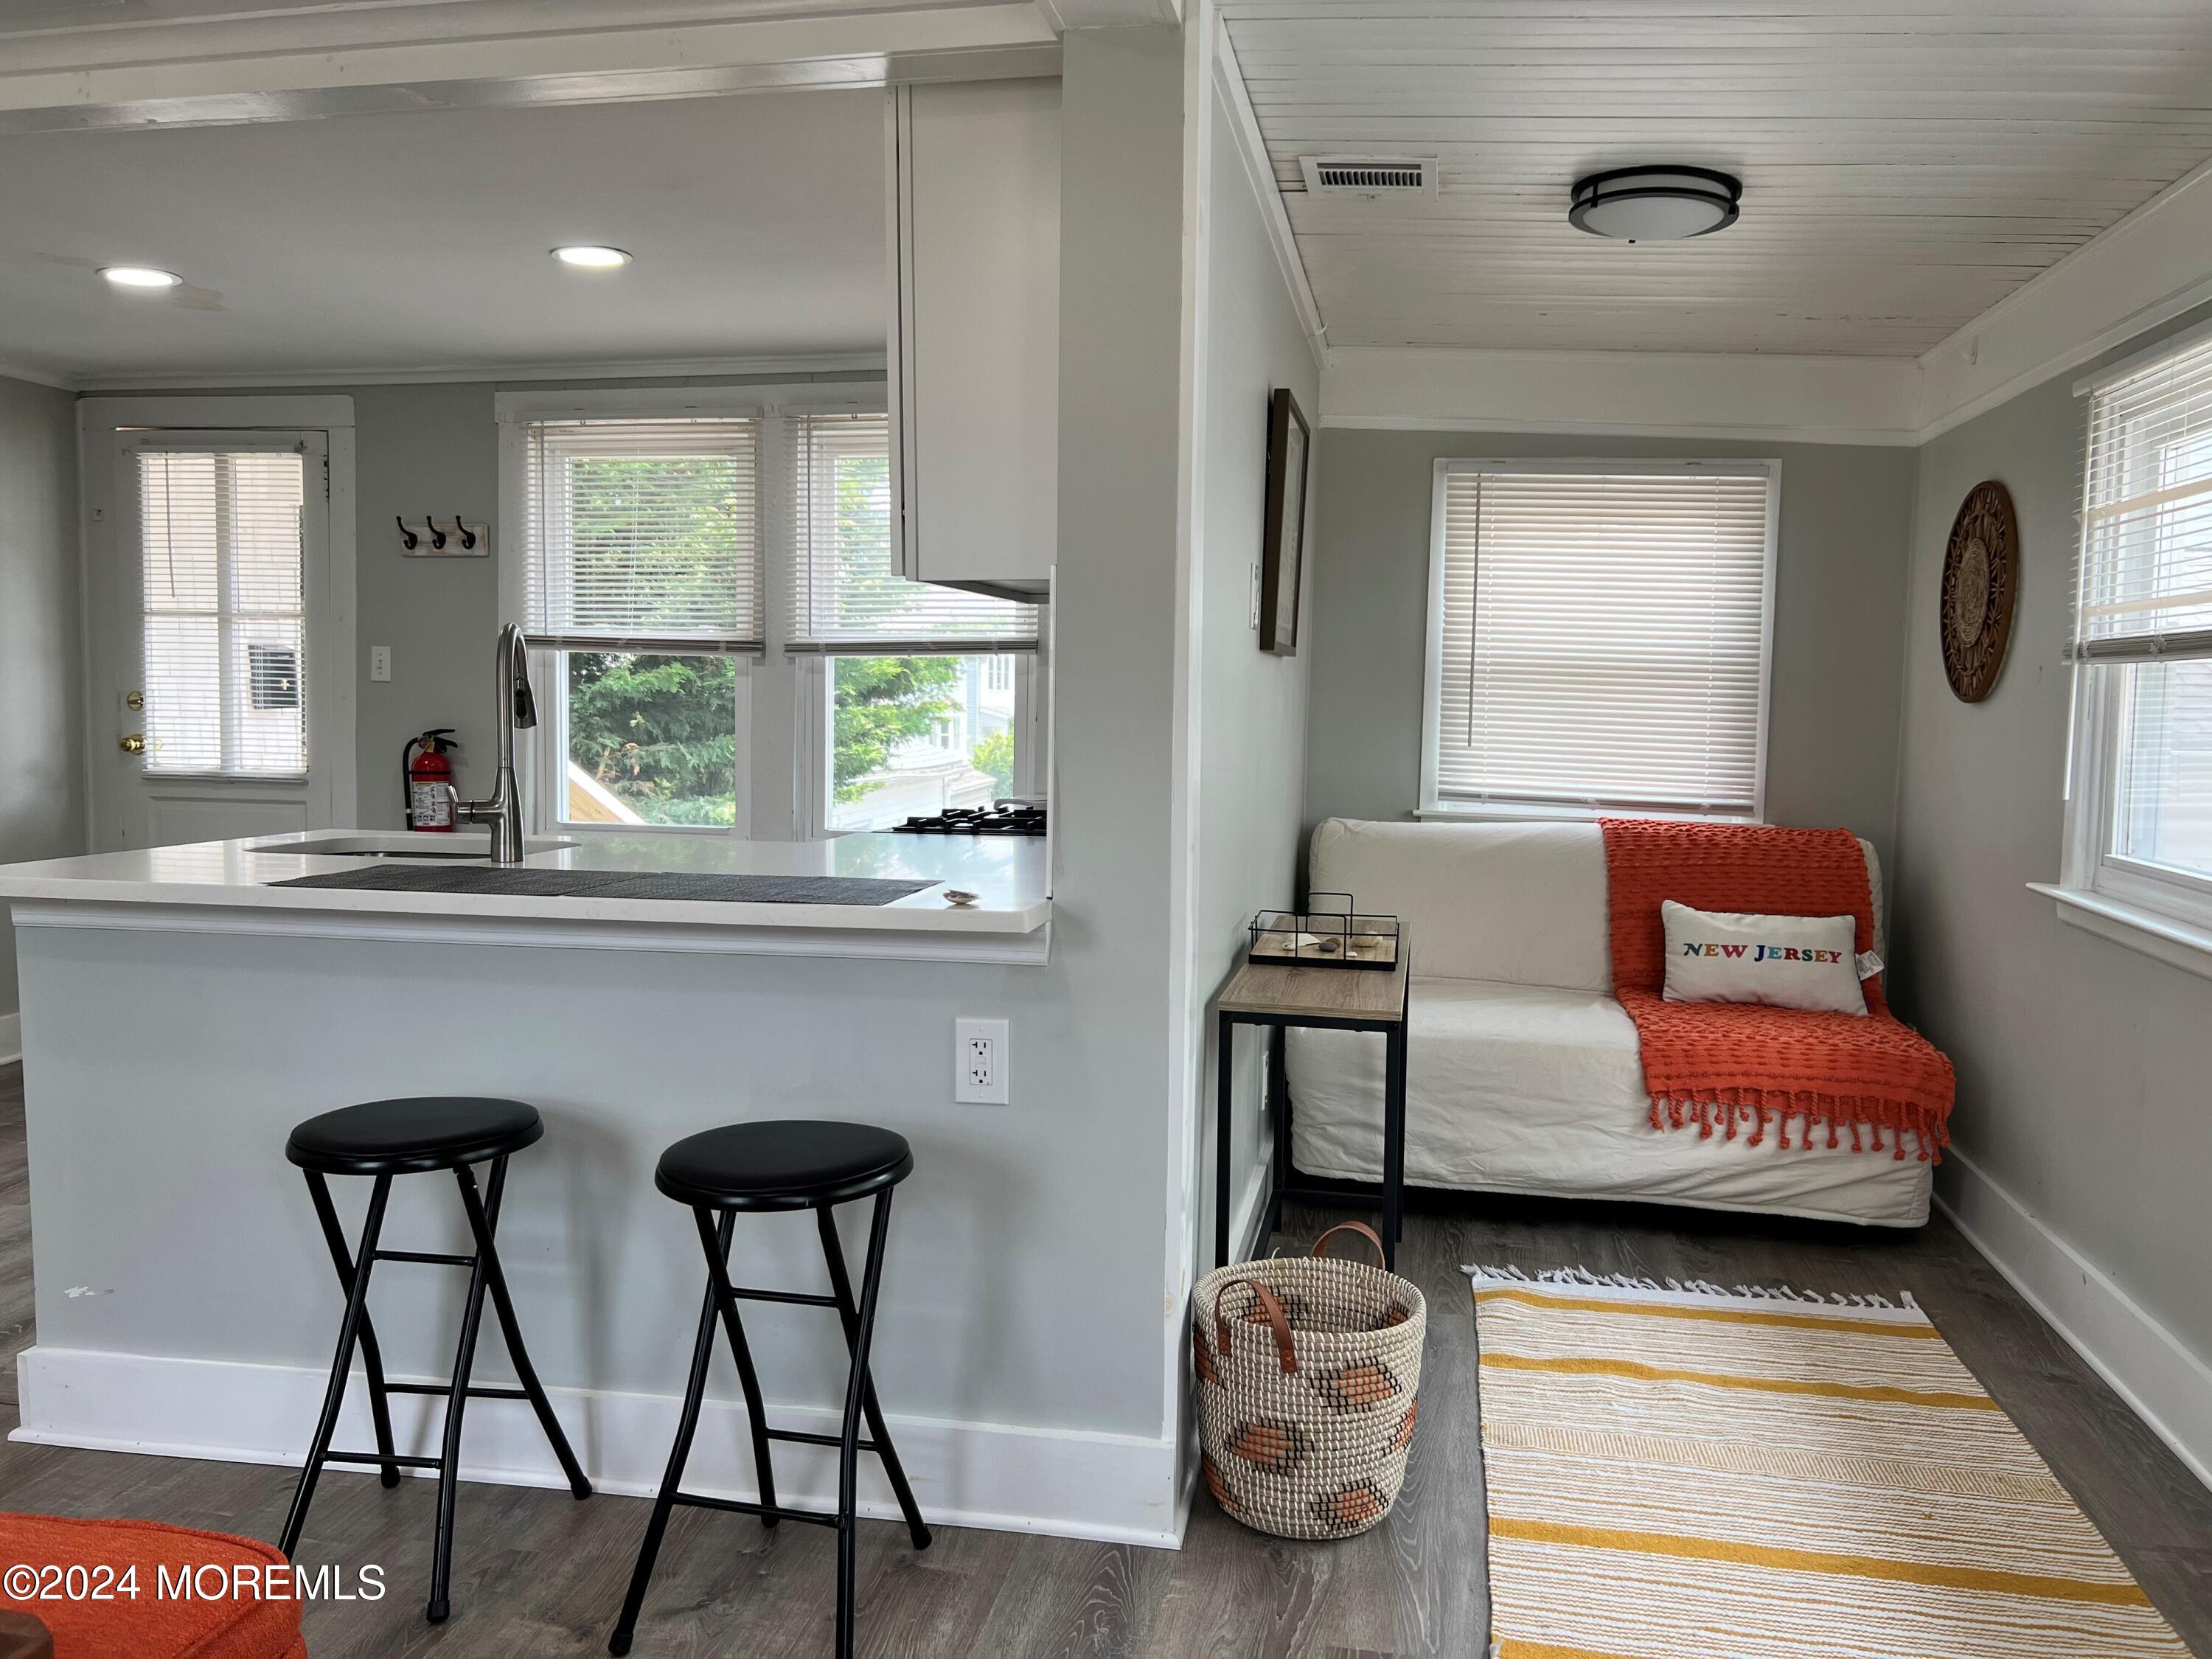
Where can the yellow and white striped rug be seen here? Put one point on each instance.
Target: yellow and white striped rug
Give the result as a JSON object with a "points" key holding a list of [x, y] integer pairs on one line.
{"points": [[1690, 1473]]}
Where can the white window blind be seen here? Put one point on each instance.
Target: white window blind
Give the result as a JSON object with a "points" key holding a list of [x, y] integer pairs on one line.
{"points": [[643, 535], [849, 597], [2146, 561], [1603, 636], [224, 641]]}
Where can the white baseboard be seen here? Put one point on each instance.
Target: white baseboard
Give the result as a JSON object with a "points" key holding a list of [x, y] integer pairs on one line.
{"points": [[1111, 1488], [2162, 1381], [11, 1038]]}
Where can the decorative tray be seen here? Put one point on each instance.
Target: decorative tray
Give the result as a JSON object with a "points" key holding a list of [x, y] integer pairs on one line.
{"points": [[1324, 938]]}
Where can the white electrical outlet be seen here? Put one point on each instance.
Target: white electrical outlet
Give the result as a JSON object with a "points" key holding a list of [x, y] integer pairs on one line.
{"points": [[379, 662], [978, 1062]]}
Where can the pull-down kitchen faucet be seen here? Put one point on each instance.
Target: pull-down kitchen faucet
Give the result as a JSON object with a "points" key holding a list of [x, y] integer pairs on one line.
{"points": [[503, 809]]}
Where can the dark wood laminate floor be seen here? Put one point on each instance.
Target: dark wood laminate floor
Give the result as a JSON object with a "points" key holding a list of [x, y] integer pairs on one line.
{"points": [[538, 1574]]}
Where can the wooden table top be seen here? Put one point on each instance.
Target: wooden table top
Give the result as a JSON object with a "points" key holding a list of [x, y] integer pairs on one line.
{"points": [[1320, 992]]}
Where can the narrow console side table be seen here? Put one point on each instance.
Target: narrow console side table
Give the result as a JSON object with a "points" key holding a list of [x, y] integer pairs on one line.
{"points": [[1325, 998]]}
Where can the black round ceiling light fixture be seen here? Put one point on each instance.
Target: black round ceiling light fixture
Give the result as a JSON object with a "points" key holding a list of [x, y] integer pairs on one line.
{"points": [[1655, 203]]}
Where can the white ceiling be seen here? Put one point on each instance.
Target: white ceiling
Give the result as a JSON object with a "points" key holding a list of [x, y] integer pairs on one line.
{"points": [[418, 240], [1906, 163]]}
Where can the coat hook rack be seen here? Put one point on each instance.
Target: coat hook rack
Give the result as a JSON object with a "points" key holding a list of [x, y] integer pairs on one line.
{"points": [[427, 537]]}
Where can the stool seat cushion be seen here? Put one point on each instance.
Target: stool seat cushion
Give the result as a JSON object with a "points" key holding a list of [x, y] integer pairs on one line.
{"points": [[402, 1137], [255, 1616], [783, 1164]]}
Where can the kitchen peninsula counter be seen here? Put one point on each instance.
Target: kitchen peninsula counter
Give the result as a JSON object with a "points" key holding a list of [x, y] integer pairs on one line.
{"points": [[230, 886]]}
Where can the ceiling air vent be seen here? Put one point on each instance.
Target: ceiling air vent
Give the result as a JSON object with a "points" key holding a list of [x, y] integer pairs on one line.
{"points": [[1369, 175]]}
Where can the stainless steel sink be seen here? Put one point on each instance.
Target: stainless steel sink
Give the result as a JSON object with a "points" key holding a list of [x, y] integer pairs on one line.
{"points": [[476, 850]]}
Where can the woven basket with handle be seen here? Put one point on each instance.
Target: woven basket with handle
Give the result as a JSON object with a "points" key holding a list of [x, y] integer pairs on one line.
{"points": [[1307, 1372]]}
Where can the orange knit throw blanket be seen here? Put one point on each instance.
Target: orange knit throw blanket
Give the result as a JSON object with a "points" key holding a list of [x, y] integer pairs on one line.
{"points": [[1720, 1063]]}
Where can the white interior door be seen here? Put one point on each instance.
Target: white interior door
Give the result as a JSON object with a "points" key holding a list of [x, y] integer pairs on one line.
{"points": [[214, 698]]}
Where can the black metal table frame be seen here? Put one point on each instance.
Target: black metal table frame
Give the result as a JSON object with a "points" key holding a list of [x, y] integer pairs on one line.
{"points": [[1392, 1032]]}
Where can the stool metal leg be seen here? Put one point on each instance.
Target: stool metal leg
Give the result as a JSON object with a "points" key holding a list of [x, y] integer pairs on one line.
{"points": [[348, 1328], [483, 1222], [856, 1388], [840, 1286], [715, 1240], [372, 1357], [702, 1351], [457, 1399]]}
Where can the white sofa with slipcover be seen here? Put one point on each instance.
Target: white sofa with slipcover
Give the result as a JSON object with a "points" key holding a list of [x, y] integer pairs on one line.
{"points": [[1522, 1069]]}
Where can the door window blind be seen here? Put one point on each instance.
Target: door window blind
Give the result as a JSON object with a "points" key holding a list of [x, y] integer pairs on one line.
{"points": [[2146, 561], [849, 597], [1603, 637], [643, 535], [225, 644]]}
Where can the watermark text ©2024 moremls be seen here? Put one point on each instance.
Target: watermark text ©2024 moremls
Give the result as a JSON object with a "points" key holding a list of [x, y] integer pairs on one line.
{"points": [[186, 1581]]}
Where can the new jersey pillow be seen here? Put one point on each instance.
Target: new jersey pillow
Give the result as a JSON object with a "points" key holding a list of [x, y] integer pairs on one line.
{"points": [[1785, 961]]}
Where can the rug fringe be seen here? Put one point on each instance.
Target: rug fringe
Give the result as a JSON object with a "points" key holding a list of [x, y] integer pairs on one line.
{"points": [[1582, 1276]]}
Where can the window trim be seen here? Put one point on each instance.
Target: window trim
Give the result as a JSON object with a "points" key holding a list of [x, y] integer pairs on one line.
{"points": [[2160, 912], [1431, 803], [782, 693], [2163, 913]]}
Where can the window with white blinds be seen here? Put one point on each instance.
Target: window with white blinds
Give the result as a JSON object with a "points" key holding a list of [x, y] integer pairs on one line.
{"points": [[2146, 564], [643, 535], [1600, 636], [2139, 826], [224, 634], [849, 597]]}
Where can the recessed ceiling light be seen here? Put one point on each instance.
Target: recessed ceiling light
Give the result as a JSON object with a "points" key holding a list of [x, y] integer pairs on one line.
{"points": [[1654, 203], [141, 276], [592, 258]]}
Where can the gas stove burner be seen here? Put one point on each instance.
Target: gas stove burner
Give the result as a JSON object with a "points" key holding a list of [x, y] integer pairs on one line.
{"points": [[1001, 820]]}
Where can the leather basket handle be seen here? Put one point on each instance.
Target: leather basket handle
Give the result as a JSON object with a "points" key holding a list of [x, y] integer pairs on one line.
{"points": [[1320, 1244], [1286, 1350]]}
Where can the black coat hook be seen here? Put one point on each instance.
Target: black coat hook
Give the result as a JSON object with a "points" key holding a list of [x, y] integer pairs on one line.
{"points": [[407, 538], [468, 536], [437, 536]]}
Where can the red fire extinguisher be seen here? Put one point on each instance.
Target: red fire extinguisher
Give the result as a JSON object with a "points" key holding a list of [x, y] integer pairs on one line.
{"points": [[428, 776]]}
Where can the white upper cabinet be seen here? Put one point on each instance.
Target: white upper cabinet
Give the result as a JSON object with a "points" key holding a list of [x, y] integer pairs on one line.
{"points": [[974, 343]]}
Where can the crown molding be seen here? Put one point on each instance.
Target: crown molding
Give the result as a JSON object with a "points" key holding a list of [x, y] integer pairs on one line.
{"points": [[2145, 270], [657, 368], [1796, 399], [1252, 150], [15, 370]]}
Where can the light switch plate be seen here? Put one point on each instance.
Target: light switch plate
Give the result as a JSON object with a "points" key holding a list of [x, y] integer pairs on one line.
{"points": [[979, 1062], [379, 662]]}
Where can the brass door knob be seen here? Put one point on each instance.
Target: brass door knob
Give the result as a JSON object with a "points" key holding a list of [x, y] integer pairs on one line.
{"points": [[133, 744]]}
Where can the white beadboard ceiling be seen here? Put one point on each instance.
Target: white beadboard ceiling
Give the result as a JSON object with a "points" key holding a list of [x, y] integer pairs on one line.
{"points": [[1905, 165]]}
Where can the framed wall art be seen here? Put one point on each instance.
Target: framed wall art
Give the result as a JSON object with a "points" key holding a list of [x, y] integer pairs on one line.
{"points": [[1282, 559]]}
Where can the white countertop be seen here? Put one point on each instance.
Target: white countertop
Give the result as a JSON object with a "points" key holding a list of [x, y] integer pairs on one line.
{"points": [[1009, 875]]}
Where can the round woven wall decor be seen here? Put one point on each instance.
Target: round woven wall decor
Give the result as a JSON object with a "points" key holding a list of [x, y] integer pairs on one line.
{"points": [[1981, 577]]}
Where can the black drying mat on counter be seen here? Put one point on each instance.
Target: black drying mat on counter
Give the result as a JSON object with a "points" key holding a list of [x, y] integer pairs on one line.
{"points": [[525, 883]]}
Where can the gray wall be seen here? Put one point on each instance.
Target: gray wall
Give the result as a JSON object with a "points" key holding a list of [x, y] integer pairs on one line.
{"points": [[1249, 767], [1831, 751], [2081, 1063], [41, 682]]}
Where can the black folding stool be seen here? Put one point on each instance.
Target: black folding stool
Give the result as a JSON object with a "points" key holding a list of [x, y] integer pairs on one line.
{"points": [[380, 1140], [782, 1165]]}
